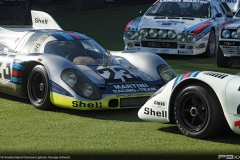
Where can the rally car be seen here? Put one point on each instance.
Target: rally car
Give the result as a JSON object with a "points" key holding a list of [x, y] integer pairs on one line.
{"points": [[178, 27], [201, 103], [228, 48], [53, 67]]}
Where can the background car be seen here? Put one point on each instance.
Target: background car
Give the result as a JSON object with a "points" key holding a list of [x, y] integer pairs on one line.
{"points": [[228, 48], [68, 69], [180, 28], [203, 104]]}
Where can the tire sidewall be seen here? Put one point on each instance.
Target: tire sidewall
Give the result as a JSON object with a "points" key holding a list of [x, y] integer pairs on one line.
{"points": [[207, 128], [208, 51], [45, 103]]}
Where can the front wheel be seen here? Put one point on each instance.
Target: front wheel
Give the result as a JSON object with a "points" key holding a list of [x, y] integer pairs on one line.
{"points": [[38, 88], [198, 113], [211, 46], [222, 61]]}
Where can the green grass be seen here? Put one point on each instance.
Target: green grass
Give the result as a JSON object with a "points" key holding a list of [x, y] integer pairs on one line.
{"points": [[113, 134]]}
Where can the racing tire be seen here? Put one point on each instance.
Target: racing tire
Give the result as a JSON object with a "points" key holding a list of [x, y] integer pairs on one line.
{"points": [[198, 113], [38, 88], [222, 61], [211, 46]]}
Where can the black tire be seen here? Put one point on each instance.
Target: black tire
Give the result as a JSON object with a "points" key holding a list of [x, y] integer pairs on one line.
{"points": [[211, 46], [198, 113], [223, 62], [38, 88]]}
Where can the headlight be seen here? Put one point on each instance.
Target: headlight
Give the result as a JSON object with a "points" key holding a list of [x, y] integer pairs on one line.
{"points": [[166, 73], [87, 90], [234, 34], [80, 84], [153, 33], [225, 33], [191, 38], [162, 33], [171, 34], [143, 32], [130, 35], [158, 91], [181, 38], [70, 78], [138, 36], [238, 32]]}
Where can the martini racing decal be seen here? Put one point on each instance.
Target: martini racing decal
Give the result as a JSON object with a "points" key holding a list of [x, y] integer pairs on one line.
{"points": [[184, 76], [133, 24], [116, 74], [54, 87], [133, 88], [18, 68]]}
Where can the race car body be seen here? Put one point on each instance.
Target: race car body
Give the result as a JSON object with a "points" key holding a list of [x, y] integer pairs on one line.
{"points": [[177, 27], [68, 69], [201, 103], [228, 48]]}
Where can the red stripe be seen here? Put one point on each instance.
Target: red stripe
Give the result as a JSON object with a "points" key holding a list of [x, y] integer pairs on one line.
{"points": [[74, 35], [17, 74], [199, 29], [237, 124], [226, 24], [186, 75], [129, 24]]}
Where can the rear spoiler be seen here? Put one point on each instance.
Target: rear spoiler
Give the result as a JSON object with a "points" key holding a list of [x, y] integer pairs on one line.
{"points": [[42, 20]]}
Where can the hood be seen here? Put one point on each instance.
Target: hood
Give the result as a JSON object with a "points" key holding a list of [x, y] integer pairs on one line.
{"points": [[232, 24], [179, 24]]}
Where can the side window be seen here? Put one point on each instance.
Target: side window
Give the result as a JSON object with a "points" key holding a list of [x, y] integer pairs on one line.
{"points": [[225, 5]]}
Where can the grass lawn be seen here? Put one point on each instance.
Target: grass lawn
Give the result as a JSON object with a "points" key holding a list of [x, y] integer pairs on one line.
{"points": [[111, 134]]}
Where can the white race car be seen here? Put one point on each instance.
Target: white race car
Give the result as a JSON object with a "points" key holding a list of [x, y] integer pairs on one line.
{"points": [[179, 27], [201, 103], [229, 48]]}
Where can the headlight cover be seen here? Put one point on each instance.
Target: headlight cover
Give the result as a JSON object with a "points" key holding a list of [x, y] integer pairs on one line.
{"points": [[234, 34], [181, 38], [166, 72], [130, 35], [191, 38], [226, 33], [143, 32], [171, 34], [162, 33], [153, 33], [80, 84]]}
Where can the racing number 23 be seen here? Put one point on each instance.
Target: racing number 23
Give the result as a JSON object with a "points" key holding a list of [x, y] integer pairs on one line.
{"points": [[117, 74]]}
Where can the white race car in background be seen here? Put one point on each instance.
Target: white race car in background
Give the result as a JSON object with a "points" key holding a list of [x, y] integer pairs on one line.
{"points": [[178, 27], [229, 43], [201, 103]]}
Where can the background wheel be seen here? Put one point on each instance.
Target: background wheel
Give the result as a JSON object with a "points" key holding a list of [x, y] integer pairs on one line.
{"points": [[38, 88], [198, 113], [224, 62], [211, 46]]}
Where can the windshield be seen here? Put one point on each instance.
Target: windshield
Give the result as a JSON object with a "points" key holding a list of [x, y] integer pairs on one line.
{"points": [[238, 14], [198, 9], [80, 52]]}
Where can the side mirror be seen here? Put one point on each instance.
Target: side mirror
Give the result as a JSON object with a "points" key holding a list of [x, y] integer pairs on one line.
{"points": [[142, 12], [218, 15]]}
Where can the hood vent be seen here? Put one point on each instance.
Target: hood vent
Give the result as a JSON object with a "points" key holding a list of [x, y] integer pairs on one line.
{"points": [[216, 74]]}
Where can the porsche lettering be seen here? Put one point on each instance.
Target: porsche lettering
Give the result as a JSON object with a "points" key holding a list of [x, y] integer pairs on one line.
{"points": [[86, 105]]}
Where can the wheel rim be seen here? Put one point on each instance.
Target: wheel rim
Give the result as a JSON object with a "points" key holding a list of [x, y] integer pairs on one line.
{"points": [[212, 44], [193, 112], [38, 88]]}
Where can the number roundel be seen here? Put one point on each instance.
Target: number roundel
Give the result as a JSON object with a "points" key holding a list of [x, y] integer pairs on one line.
{"points": [[116, 74]]}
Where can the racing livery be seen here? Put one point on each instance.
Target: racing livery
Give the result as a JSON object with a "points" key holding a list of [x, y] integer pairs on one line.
{"points": [[228, 48], [179, 27], [53, 67], [201, 103]]}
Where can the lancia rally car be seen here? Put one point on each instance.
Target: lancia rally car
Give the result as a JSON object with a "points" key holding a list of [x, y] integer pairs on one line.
{"points": [[229, 43], [201, 103], [68, 69], [178, 27]]}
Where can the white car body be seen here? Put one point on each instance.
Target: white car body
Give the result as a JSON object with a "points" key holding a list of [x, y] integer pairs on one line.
{"points": [[225, 87], [191, 29], [229, 42]]}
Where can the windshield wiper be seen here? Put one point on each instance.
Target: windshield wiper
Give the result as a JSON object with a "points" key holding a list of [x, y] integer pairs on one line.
{"points": [[109, 57]]}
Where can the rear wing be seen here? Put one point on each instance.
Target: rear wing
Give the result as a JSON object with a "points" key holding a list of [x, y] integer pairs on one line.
{"points": [[42, 20]]}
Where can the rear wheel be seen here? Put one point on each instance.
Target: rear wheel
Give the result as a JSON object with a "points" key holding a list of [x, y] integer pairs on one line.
{"points": [[198, 113], [38, 88], [211, 46], [222, 61]]}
